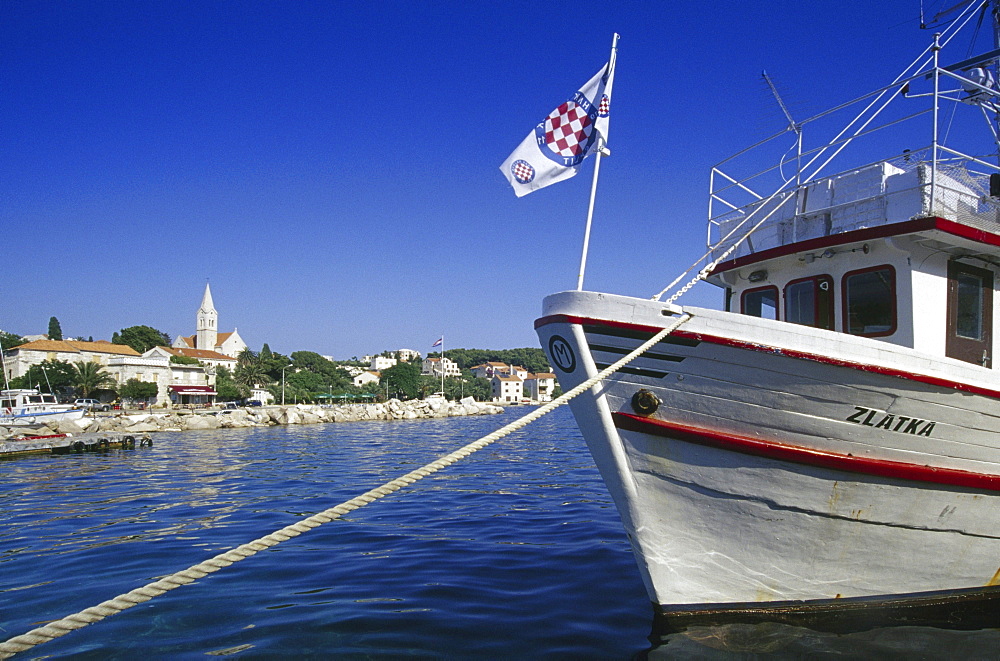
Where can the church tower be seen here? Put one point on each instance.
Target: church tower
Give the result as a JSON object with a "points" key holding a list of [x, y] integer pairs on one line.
{"points": [[208, 322]]}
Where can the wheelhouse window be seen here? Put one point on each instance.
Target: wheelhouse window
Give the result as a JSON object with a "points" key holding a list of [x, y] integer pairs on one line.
{"points": [[809, 302], [761, 302], [870, 301]]}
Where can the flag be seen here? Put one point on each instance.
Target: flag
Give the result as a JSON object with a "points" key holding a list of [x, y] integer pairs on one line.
{"points": [[560, 142], [438, 343]]}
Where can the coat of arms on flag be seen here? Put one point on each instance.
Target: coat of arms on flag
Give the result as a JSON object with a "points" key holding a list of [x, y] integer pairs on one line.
{"points": [[560, 142]]}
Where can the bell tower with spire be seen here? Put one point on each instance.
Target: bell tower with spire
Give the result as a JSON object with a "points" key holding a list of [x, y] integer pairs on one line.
{"points": [[208, 322]]}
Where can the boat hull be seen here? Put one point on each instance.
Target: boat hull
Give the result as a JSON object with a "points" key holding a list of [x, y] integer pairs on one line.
{"points": [[38, 418], [783, 464]]}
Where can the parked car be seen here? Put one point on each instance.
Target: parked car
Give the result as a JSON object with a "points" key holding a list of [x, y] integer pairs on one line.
{"points": [[254, 402], [91, 405]]}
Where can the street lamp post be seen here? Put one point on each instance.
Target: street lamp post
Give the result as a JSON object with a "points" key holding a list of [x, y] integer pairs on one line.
{"points": [[283, 383]]}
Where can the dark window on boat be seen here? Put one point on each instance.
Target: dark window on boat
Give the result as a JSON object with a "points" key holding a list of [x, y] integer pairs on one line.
{"points": [[809, 302], [970, 314], [870, 301], [761, 302]]}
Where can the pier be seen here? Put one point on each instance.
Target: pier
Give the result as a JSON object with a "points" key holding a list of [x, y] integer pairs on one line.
{"points": [[68, 444]]}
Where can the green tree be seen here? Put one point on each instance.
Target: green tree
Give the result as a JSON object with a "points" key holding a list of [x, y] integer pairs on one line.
{"points": [[9, 340], [90, 376], [226, 386], [142, 338], [250, 370], [55, 330], [135, 389], [529, 358], [402, 380], [184, 360], [48, 376]]}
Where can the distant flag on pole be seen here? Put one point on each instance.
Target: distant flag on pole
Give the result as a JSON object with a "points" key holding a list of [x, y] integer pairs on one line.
{"points": [[438, 343], [558, 145]]}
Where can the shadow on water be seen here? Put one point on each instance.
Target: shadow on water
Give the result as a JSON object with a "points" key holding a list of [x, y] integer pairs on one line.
{"points": [[769, 640]]}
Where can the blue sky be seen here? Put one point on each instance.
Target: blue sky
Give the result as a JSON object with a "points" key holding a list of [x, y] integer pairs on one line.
{"points": [[331, 168]]}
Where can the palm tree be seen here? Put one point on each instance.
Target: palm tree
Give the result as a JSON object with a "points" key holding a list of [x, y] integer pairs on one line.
{"points": [[250, 370], [90, 376]]}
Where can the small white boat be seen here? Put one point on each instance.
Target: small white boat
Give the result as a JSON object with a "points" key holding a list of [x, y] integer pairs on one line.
{"points": [[31, 408], [826, 449]]}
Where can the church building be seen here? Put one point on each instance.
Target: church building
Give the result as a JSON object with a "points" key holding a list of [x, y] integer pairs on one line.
{"points": [[207, 336]]}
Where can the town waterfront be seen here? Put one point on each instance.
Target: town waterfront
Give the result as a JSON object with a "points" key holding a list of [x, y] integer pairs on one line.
{"points": [[513, 552]]}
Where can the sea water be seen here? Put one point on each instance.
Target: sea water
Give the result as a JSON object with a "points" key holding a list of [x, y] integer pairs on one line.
{"points": [[515, 552]]}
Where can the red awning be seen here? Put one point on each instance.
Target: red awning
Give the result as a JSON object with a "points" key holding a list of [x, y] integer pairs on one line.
{"points": [[193, 390]]}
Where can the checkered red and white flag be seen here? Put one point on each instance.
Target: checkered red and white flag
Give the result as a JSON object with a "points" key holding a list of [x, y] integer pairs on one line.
{"points": [[554, 150]]}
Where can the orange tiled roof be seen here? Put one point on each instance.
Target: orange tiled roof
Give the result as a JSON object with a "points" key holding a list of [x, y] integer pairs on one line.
{"points": [[200, 354], [76, 346]]}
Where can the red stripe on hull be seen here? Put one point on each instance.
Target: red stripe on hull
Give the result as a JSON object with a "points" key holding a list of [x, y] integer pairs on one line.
{"points": [[789, 353], [807, 456]]}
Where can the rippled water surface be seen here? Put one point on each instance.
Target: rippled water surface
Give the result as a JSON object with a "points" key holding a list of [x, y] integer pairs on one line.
{"points": [[515, 551]]}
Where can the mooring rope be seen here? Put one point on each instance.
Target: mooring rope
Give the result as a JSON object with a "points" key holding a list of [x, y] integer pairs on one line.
{"points": [[143, 594]]}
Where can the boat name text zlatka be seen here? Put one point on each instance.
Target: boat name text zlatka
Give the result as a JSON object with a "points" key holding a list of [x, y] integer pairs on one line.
{"points": [[889, 421]]}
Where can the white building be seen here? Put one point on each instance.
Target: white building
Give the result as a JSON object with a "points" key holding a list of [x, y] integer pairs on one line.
{"points": [[207, 336], [407, 355], [380, 363], [507, 389], [434, 367], [20, 359], [366, 377], [178, 384], [540, 386], [489, 370]]}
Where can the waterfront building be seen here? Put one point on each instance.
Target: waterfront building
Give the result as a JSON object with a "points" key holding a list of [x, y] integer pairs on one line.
{"points": [[507, 389], [435, 367], [489, 370], [540, 386], [366, 377], [18, 360], [207, 336]]}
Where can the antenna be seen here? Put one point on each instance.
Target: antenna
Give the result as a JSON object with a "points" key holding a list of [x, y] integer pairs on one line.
{"points": [[792, 125]]}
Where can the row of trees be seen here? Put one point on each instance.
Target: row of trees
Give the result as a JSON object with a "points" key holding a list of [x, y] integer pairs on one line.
{"points": [[533, 360], [83, 379], [302, 376]]}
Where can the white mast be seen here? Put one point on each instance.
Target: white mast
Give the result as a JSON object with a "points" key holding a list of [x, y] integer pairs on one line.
{"points": [[602, 150]]}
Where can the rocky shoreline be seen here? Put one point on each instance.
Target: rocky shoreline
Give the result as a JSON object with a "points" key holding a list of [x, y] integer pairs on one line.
{"points": [[299, 414]]}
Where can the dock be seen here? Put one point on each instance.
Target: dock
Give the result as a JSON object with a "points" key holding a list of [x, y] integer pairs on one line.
{"points": [[72, 444]]}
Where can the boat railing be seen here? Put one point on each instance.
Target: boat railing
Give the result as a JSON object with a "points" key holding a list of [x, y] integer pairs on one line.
{"points": [[882, 193], [776, 192]]}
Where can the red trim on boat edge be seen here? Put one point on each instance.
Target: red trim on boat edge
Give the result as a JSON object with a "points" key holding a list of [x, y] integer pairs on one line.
{"points": [[925, 224], [808, 456], [790, 353]]}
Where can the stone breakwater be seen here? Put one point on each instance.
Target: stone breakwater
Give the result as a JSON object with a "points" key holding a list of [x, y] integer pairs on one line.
{"points": [[299, 414]]}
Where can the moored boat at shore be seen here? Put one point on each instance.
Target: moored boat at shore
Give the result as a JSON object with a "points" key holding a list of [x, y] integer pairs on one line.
{"points": [[29, 407], [829, 442]]}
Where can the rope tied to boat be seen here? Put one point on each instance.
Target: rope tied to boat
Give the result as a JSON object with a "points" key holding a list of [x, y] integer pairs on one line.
{"points": [[143, 594]]}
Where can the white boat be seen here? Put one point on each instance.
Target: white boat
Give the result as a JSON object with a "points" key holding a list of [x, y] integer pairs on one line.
{"points": [[826, 449], [30, 408]]}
